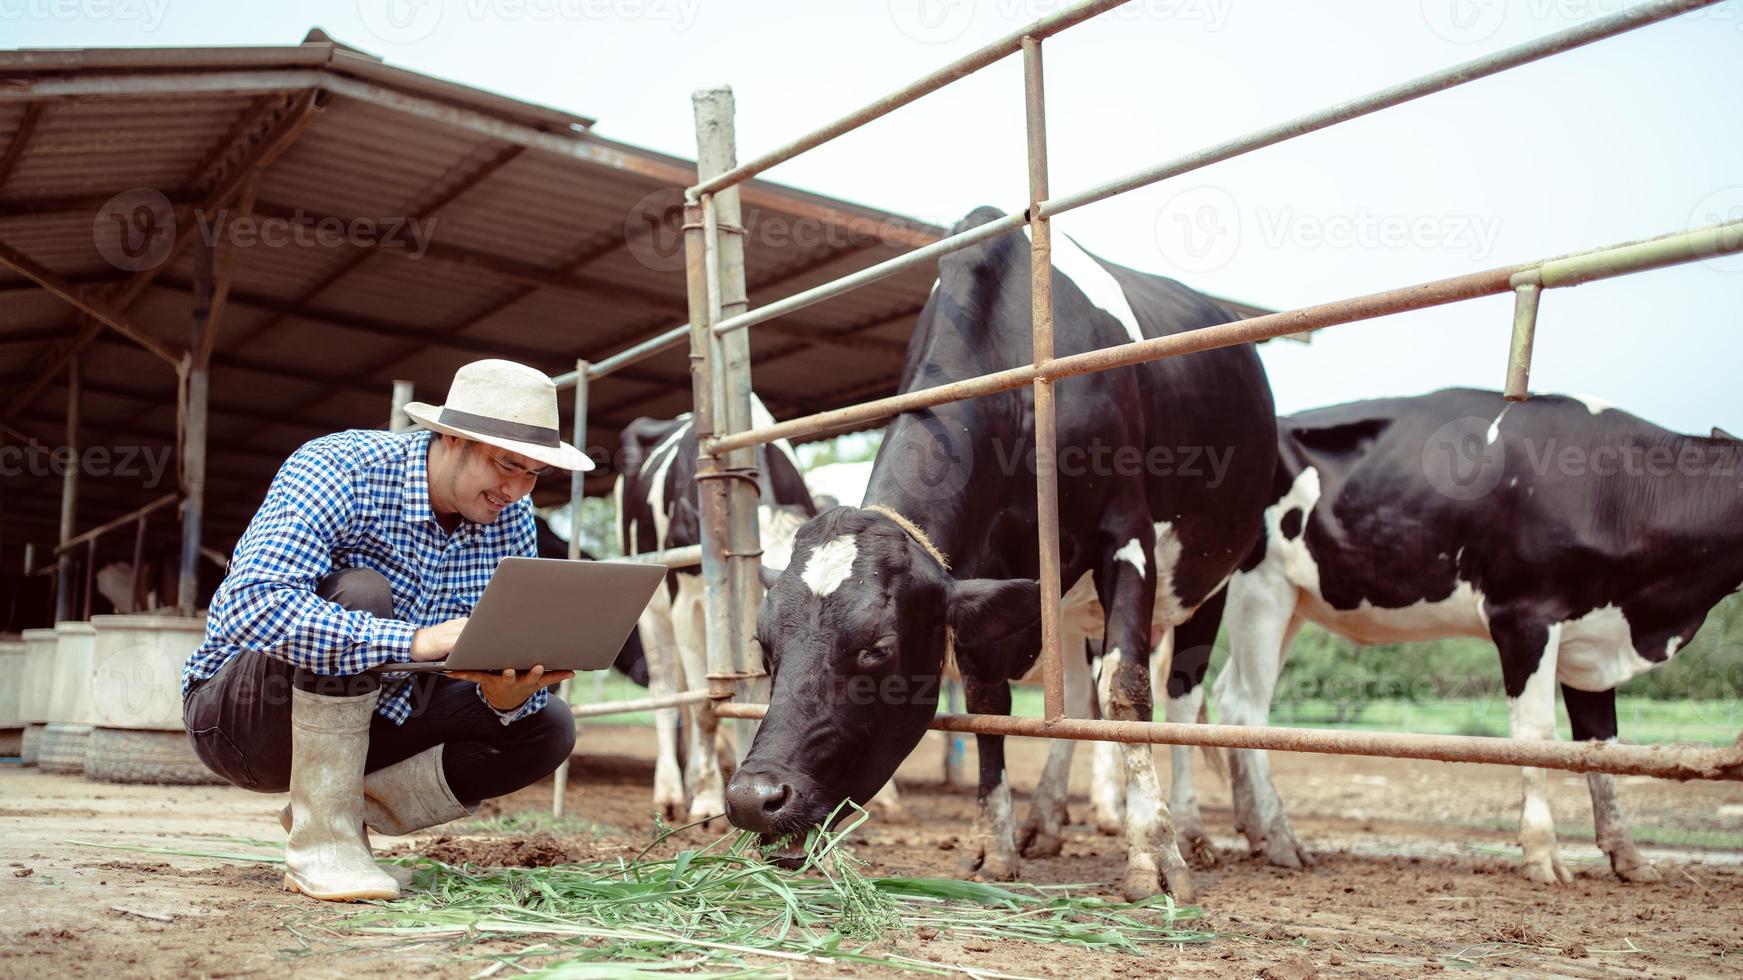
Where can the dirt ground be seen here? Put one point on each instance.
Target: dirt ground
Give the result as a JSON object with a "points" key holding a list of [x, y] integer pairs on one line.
{"points": [[1415, 877]]}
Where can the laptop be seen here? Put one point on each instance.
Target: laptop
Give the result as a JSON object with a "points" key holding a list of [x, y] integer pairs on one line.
{"points": [[567, 615]]}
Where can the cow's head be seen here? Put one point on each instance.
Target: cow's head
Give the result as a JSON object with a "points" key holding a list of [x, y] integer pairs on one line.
{"points": [[854, 634]]}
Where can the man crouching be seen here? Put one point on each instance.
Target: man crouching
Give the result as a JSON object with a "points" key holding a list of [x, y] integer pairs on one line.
{"points": [[372, 547]]}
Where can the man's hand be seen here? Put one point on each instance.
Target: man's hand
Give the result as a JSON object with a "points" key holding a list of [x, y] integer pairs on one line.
{"points": [[509, 690], [436, 642]]}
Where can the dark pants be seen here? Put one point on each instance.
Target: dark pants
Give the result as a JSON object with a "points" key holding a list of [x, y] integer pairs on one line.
{"points": [[239, 719]]}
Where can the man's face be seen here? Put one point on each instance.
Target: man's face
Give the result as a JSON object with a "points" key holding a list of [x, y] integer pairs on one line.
{"points": [[485, 480]]}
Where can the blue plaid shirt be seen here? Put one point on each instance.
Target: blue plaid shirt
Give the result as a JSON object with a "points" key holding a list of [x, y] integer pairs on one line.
{"points": [[356, 499]]}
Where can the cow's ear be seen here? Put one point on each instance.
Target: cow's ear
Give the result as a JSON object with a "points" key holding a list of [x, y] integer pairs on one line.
{"points": [[986, 610], [1719, 433], [769, 576]]}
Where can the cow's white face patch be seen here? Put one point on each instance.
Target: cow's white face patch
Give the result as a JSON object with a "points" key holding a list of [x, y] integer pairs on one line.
{"points": [[1495, 428], [830, 564], [1133, 551], [1097, 284]]}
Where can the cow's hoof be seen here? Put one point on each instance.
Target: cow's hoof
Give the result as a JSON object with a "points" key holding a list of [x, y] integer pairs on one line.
{"points": [[1284, 851], [1642, 872], [671, 811], [989, 866], [1181, 886], [1546, 870], [1140, 883], [1110, 823], [891, 812], [1038, 843], [1199, 850]]}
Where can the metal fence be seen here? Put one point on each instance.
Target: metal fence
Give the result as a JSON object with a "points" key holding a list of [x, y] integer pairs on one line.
{"points": [[721, 385], [721, 380]]}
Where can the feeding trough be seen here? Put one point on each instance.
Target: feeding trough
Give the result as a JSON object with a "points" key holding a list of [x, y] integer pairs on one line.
{"points": [[11, 693], [33, 693], [68, 731], [135, 684]]}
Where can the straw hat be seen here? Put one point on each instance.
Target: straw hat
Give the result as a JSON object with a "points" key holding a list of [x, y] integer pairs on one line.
{"points": [[507, 405]]}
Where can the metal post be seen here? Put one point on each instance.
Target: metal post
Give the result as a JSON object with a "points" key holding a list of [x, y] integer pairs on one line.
{"points": [[716, 611], [1526, 290], [90, 577], [577, 492], [139, 588], [63, 582], [397, 419], [1046, 428], [194, 375], [716, 152]]}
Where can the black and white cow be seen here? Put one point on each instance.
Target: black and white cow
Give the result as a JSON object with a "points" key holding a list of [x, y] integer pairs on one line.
{"points": [[658, 507], [941, 562], [1586, 544]]}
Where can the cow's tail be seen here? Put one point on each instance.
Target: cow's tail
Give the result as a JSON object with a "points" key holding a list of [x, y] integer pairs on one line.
{"points": [[1213, 759]]}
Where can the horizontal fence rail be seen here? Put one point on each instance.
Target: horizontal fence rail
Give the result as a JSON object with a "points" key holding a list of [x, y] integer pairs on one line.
{"points": [[1615, 260], [1663, 761], [602, 709], [1469, 71]]}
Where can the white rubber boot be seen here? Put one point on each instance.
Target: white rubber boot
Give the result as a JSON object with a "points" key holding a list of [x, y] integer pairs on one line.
{"points": [[327, 856], [404, 798], [410, 795]]}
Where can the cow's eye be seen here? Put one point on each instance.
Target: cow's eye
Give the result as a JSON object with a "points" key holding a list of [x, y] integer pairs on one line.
{"points": [[877, 655]]}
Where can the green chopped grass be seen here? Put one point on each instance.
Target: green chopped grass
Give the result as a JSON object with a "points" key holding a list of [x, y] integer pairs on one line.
{"points": [[723, 908], [531, 822]]}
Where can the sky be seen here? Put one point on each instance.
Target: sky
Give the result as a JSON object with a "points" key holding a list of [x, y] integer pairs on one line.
{"points": [[1627, 138]]}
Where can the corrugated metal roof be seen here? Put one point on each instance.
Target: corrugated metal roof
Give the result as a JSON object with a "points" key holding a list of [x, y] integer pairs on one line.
{"points": [[458, 224], [488, 226]]}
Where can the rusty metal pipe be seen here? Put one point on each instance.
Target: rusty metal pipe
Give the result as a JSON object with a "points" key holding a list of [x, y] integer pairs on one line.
{"points": [[871, 274], [960, 68], [1046, 416], [604, 708], [657, 344], [1574, 37], [1384, 303], [1681, 762]]}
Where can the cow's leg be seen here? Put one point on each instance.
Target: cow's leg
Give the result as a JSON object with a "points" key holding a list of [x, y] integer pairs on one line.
{"points": [[1592, 716], [888, 803], [1043, 831], [664, 678], [1153, 860], [1529, 650], [702, 762], [992, 848], [1262, 624], [1184, 688], [1107, 784]]}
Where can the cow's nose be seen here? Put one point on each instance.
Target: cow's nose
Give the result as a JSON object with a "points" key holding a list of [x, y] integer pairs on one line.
{"points": [[755, 799]]}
